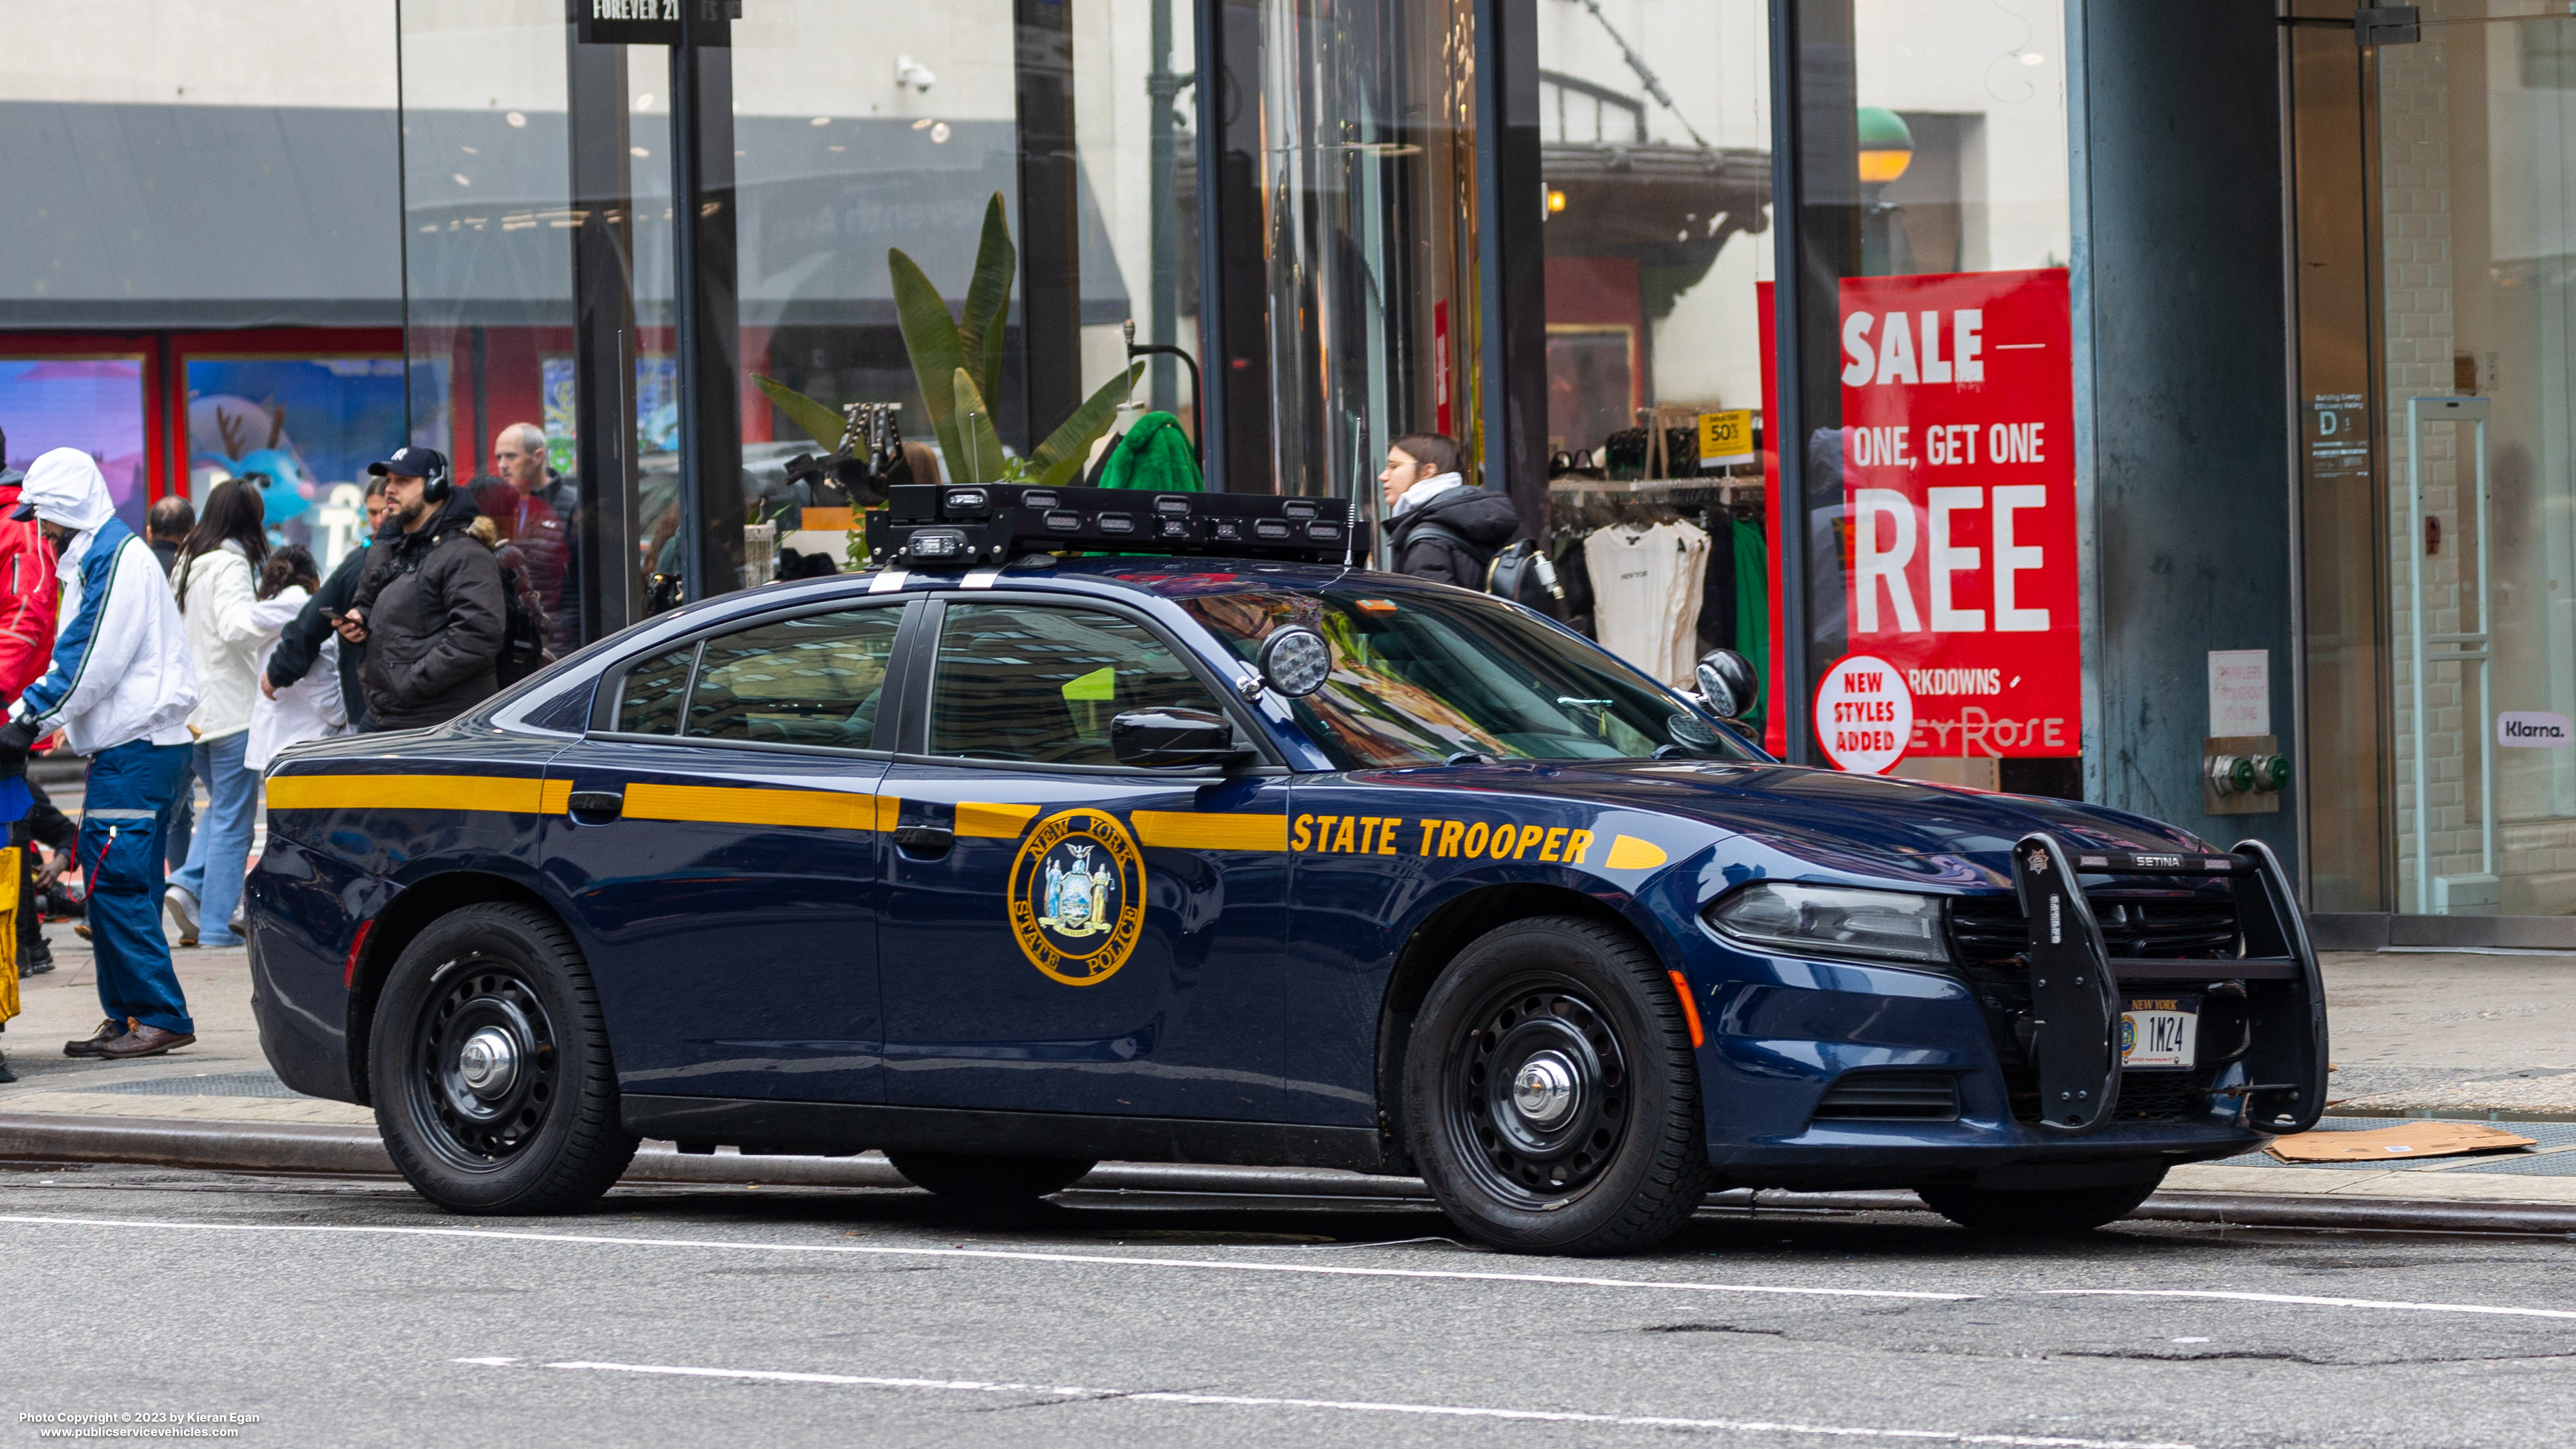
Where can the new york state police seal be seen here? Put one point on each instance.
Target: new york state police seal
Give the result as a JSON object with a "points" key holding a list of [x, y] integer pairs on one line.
{"points": [[1077, 896]]}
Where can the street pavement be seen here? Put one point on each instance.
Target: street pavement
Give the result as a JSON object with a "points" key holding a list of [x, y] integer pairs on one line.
{"points": [[346, 1312], [333, 1310], [2465, 1035]]}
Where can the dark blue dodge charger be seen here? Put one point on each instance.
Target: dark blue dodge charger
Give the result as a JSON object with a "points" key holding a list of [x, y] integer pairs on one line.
{"points": [[1007, 861]]}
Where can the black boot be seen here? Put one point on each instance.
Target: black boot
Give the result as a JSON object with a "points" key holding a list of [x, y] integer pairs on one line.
{"points": [[35, 957], [6, 1075]]}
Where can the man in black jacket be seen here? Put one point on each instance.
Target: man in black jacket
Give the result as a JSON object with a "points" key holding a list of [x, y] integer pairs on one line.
{"points": [[299, 647], [1438, 525], [430, 607]]}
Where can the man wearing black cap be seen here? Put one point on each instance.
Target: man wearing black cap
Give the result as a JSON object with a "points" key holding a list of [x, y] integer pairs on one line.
{"points": [[430, 608]]}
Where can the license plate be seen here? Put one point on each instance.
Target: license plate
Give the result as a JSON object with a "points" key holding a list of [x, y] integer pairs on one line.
{"points": [[2159, 1031]]}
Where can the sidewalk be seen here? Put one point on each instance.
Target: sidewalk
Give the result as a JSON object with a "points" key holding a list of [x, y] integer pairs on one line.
{"points": [[2456, 1035]]}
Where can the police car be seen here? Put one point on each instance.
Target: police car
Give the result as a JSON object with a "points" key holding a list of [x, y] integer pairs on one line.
{"points": [[1115, 826]]}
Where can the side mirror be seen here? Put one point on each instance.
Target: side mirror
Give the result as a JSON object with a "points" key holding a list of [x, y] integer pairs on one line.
{"points": [[1155, 739], [1726, 681]]}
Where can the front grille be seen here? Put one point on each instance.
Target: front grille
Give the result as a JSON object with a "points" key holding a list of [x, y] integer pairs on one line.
{"points": [[1991, 933], [1991, 939], [1882, 1096]]}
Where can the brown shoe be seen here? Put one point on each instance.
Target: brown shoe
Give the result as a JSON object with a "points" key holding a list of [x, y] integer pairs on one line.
{"points": [[145, 1041], [108, 1031]]}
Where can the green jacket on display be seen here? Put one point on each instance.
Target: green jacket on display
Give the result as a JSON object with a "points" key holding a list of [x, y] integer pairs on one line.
{"points": [[1154, 456]]}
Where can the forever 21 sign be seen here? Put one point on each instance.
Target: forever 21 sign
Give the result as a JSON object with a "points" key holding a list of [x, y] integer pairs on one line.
{"points": [[648, 22]]}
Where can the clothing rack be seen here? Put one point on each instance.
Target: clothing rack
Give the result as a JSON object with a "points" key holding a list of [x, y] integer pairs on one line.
{"points": [[1733, 492]]}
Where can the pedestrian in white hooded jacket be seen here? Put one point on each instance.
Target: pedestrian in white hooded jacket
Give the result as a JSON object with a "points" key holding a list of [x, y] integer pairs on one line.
{"points": [[121, 689]]}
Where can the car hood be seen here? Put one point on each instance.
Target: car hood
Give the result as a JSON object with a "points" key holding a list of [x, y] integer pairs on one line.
{"points": [[1857, 824]]}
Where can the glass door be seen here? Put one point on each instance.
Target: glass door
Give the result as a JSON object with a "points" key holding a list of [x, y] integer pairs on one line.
{"points": [[2475, 122]]}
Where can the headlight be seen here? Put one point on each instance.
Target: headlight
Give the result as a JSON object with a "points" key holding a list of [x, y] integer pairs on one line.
{"points": [[1834, 921]]}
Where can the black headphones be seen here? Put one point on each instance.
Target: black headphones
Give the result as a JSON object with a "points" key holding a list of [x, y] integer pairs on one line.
{"points": [[434, 488]]}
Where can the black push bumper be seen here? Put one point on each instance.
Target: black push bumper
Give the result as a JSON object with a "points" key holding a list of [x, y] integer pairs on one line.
{"points": [[2077, 986]]}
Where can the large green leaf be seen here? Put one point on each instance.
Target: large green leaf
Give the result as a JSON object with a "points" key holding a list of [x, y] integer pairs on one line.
{"points": [[820, 422], [981, 459], [1062, 456], [930, 336], [988, 299]]}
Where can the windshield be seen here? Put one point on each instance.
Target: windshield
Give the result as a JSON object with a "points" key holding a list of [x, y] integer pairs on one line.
{"points": [[1424, 678]]}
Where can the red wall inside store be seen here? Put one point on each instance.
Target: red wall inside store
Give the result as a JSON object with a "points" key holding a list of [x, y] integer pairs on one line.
{"points": [[1594, 291]]}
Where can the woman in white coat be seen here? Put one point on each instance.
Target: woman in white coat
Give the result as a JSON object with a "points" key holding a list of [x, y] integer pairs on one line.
{"points": [[218, 594], [311, 708]]}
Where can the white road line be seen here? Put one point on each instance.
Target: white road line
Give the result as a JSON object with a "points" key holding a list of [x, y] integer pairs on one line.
{"points": [[2309, 1300], [1320, 1270], [1358, 1406], [1323, 1270]]}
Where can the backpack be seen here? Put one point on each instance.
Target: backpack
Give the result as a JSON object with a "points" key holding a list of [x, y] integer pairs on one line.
{"points": [[1523, 573], [1520, 571]]}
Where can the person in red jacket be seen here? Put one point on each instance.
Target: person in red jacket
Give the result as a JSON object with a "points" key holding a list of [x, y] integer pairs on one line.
{"points": [[27, 605], [27, 593]]}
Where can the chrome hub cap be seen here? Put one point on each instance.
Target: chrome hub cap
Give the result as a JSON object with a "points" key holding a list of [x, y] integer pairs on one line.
{"points": [[1544, 1090], [488, 1063]]}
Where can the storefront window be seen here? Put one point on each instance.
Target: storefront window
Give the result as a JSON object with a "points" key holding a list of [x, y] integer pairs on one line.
{"points": [[2476, 123], [91, 402], [1657, 203], [1929, 431], [307, 425], [1349, 162], [488, 257], [835, 167]]}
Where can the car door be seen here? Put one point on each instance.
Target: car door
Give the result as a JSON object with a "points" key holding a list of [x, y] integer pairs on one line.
{"points": [[1060, 933], [721, 856]]}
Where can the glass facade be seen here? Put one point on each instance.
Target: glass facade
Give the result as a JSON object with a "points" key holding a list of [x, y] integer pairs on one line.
{"points": [[1853, 414], [2475, 129]]}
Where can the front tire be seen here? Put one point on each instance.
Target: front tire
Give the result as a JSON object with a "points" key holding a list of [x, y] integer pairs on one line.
{"points": [[1550, 1096], [489, 1066], [2045, 1213], [990, 1179]]}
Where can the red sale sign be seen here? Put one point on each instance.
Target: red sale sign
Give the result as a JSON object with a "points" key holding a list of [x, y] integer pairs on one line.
{"points": [[1958, 528]]}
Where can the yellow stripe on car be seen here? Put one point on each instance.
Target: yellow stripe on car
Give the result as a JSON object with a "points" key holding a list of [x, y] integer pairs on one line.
{"points": [[1629, 853], [740, 805], [1188, 830], [993, 822], [509, 794]]}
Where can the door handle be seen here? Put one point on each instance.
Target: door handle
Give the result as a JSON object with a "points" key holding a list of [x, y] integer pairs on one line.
{"points": [[596, 807], [926, 841]]}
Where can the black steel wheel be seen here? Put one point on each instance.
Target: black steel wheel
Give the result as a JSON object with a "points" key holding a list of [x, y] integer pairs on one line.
{"points": [[1550, 1097], [990, 1179], [2039, 1213], [489, 1067], [1538, 1098]]}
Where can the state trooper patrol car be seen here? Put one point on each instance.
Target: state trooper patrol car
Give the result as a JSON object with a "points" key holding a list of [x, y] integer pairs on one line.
{"points": [[1097, 825]]}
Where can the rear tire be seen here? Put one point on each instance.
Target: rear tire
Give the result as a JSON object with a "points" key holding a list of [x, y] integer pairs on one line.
{"points": [[489, 1066], [1550, 1095], [2045, 1213], [990, 1179]]}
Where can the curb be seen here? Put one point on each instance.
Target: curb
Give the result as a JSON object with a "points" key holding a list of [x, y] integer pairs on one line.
{"points": [[356, 1152]]}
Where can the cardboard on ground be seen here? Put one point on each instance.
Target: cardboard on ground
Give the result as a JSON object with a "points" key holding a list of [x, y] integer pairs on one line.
{"points": [[2392, 1144]]}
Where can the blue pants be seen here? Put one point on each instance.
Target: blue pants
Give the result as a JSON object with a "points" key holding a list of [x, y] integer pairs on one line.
{"points": [[220, 851], [124, 818]]}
